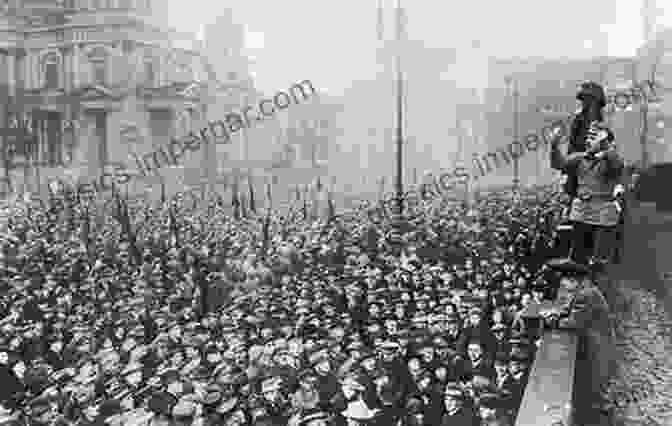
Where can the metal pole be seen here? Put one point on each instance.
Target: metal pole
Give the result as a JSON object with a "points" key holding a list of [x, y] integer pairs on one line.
{"points": [[400, 118], [644, 134], [516, 165]]}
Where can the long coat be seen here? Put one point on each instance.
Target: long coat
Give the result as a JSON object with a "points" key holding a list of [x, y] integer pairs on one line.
{"points": [[597, 179], [589, 315]]}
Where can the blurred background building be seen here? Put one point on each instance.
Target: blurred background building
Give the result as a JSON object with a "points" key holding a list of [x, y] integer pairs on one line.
{"points": [[94, 81]]}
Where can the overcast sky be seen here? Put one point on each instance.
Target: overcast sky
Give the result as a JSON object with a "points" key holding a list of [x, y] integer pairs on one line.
{"points": [[332, 42]]}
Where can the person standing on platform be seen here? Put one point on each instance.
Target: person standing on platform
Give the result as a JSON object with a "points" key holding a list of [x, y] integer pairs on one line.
{"points": [[594, 212]]}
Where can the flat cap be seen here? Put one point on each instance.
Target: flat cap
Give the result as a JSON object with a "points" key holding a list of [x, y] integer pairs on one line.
{"points": [[568, 267]]}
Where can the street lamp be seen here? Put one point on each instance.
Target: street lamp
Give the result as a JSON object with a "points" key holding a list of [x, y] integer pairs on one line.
{"points": [[400, 116], [512, 83]]}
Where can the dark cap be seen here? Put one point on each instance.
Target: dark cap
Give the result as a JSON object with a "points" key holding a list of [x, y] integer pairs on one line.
{"points": [[490, 400], [592, 90], [568, 267]]}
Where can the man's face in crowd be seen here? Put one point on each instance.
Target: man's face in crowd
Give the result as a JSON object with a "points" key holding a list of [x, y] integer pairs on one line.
{"points": [[47, 416], [501, 369], [272, 395], [266, 333], [516, 367], [388, 355], [369, 364], [91, 412], [294, 348], [19, 369], [569, 283], [475, 319], [4, 358], [15, 343], [134, 378], [177, 358], [323, 367], [452, 328], [414, 366], [192, 352], [175, 333], [119, 332], [525, 300], [486, 412], [337, 334], [428, 355], [349, 391], [475, 351], [451, 403], [175, 387], [424, 384], [214, 357], [129, 344], [497, 317]]}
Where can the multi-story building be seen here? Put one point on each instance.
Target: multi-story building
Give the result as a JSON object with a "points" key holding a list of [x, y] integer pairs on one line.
{"points": [[654, 62], [95, 82]]}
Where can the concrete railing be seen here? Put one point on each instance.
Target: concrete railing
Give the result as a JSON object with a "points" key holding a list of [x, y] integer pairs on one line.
{"points": [[548, 398]]}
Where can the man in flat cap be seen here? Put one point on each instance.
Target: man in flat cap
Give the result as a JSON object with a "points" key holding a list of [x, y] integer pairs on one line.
{"points": [[588, 315], [456, 412]]}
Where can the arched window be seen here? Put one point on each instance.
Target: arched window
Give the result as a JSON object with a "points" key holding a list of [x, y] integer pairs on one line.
{"points": [[50, 70], [98, 59]]}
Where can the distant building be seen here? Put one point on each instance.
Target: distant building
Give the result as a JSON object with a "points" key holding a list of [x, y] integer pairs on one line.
{"points": [[96, 82], [654, 61]]}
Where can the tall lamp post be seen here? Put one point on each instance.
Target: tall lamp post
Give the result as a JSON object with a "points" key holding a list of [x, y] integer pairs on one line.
{"points": [[512, 92], [400, 114]]}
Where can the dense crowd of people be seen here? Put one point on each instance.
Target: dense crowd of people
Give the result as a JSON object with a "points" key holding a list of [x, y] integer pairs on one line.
{"points": [[197, 317]]}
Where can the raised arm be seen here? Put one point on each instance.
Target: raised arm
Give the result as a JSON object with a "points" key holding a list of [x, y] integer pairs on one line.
{"points": [[580, 314], [562, 162]]}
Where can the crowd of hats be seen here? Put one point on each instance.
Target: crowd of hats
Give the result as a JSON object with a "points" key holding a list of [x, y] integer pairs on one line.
{"points": [[87, 336]]}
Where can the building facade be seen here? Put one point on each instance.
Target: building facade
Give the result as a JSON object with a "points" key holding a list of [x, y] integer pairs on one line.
{"points": [[654, 62], [94, 83]]}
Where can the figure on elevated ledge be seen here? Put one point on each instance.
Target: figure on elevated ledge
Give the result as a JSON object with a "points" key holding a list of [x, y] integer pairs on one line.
{"points": [[594, 169], [587, 314]]}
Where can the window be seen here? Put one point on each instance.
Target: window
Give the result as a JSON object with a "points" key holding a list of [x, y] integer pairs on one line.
{"points": [[98, 60], [184, 122], [50, 70], [150, 72]]}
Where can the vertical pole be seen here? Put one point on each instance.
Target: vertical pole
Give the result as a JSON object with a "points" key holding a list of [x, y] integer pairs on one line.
{"points": [[516, 163], [400, 116], [644, 133]]}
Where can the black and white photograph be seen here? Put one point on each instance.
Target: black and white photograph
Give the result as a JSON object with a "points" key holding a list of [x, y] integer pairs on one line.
{"points": [[335, 213]]}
